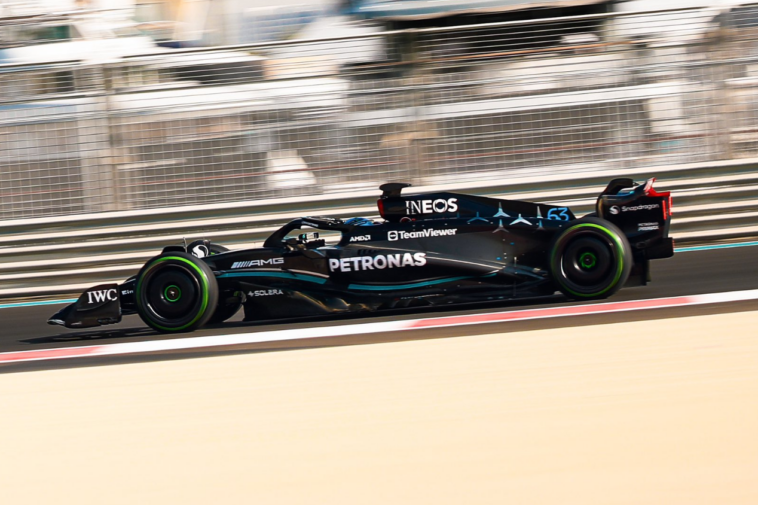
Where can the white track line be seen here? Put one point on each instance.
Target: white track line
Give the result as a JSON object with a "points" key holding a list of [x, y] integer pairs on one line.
{"points": [[368, 328]]}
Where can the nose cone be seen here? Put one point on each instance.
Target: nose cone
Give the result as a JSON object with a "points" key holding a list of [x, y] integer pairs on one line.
{"points": [[59, 317]]}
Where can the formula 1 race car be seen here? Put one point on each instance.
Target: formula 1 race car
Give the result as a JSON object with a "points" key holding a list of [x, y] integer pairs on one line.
{"points": [[429, 249]]}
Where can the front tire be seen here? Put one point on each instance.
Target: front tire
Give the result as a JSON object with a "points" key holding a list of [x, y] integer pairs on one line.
{"points": [[590, 259], [227, 306], [176, 292]]}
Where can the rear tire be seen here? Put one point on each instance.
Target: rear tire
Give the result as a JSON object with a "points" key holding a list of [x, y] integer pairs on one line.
{"points": [[590, 259], [176, 292]]}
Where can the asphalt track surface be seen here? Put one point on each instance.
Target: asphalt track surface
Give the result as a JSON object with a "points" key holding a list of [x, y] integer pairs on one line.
{"points": [[687, 273]]}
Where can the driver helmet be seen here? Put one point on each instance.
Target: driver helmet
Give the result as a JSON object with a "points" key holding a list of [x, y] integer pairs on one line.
{"points": [[359, 221]]}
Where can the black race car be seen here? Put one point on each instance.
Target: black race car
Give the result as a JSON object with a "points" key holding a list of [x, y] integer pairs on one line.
{"points": [[430, 249]]}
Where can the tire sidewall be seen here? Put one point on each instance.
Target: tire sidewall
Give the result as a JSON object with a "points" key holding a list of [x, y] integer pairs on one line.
{"points": [[223, 311], [201, 310], [612, 237]]}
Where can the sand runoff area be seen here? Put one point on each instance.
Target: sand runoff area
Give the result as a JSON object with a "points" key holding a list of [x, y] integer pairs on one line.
{"points": [[659, 412]]}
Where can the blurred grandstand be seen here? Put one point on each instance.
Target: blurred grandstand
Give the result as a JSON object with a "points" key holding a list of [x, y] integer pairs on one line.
{"points": [[349, 102]]}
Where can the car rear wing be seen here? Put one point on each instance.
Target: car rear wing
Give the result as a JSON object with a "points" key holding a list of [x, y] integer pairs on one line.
{"points": [[642, 213]]}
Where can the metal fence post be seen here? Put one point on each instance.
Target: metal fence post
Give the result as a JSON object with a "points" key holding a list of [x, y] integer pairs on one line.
{"points": [[113, 159]]}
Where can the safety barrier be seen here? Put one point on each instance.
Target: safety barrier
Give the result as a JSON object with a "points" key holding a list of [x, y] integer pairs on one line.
{"points": [[712, 201]]}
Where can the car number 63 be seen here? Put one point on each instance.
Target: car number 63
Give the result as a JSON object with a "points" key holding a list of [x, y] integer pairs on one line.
{"points": [[558, 214]]}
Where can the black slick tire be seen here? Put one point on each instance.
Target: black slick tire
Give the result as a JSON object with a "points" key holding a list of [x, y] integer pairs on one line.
{"points": [[224, 309], [590, 259], [176, 292]]}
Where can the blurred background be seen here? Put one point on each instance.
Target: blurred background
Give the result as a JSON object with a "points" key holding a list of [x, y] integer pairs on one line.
{"points": [[130, 125], [126, 123]]}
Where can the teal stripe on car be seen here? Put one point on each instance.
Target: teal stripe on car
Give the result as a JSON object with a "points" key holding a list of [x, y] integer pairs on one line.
{"points": [[368, 287], [357, 287], [278, 275]]}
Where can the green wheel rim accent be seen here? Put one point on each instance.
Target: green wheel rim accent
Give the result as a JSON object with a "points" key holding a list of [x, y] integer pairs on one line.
{"points": [[619, 270], [203, 278], [587, 264], [167, 294]]}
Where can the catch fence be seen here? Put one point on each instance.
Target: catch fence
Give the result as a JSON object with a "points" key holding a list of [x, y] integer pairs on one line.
{"points": [[442, 106]]}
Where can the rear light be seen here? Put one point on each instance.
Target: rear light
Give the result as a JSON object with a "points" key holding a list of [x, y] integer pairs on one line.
{"points": [[380, 204], [666, 204]]}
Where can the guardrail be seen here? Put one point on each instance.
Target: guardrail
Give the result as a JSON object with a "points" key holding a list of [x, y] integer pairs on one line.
{"points": [[712, 201]]}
